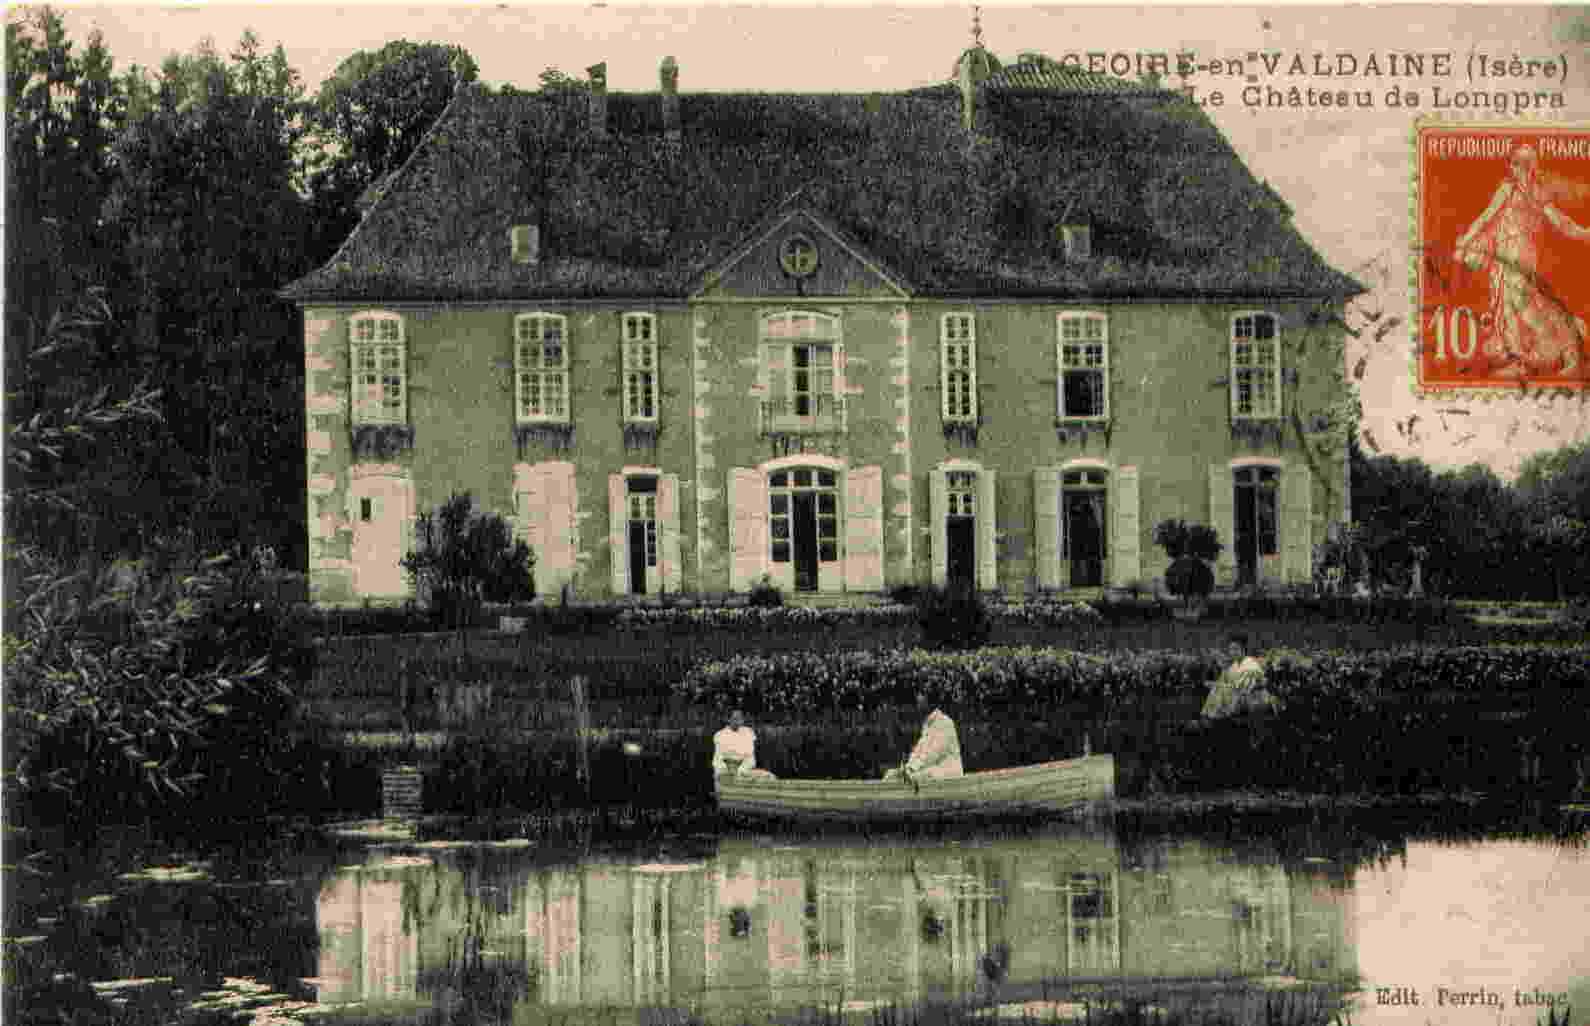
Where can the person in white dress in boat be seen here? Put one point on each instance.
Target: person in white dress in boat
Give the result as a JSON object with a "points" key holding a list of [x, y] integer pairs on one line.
{"points": [[734, 750], [937, 754]]}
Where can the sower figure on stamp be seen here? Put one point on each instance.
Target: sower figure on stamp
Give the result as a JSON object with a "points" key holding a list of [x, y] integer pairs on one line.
{"points": [[1531, 330]]}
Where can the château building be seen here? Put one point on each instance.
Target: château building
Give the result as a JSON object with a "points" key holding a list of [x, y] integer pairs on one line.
{"points": [[986, 333]]}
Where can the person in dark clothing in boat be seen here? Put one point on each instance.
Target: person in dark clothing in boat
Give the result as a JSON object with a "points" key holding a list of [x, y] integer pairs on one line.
{"points": [[938, 749]]}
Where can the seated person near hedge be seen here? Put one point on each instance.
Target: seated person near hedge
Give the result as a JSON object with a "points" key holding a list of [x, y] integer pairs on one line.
{"points": [[938, 749], [734, 749], [1241, 686]]}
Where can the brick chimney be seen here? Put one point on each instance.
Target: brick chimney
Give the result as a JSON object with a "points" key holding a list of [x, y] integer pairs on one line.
{"points": [[598, 98], [668, 72]]}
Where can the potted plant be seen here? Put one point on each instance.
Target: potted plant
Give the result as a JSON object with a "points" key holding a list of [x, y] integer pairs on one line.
{"points": [[1191, 548]]}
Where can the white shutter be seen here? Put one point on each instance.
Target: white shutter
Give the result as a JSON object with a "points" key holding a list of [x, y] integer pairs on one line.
{"points": [[864, 529], [1047, 526], [987, 544], [1297, 542], [668, 528], [617, 524], [1223, 518], [1126, 545], [747, 527], [939, 511]]}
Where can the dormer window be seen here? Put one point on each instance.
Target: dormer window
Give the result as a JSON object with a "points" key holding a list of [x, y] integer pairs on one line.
{"points": [[1078, 241], [524, 241], [541, 368]]}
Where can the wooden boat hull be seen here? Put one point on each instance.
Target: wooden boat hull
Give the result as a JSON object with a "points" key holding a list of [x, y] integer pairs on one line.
{"points": [[1065, 786]]}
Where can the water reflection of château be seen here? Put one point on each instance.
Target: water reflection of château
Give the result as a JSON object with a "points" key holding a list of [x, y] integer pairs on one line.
{"points": [[766, 924]]}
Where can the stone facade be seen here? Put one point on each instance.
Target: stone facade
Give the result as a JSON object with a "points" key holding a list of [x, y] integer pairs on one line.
{"points": [[754, 388]]}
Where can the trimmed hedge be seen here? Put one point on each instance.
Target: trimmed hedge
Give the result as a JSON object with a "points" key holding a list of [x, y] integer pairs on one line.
{"points": [[798, 684]]}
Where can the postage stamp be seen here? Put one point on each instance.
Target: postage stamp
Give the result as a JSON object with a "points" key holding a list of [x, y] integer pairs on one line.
{"points": [[1501, 254]]}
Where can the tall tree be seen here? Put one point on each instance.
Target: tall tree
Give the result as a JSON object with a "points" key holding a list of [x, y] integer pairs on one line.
{"points": [[1554, 491], [212, 227], [369, 116]]}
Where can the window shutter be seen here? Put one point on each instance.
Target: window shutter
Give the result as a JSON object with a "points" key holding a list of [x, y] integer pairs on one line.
{"points": [[939, 510], [1223, 518], [1297, 521], [747, 527], [668, 528], [1046, 526], [864, 529], [617, 517], [1126, 547], [552, 524], [987, 543]]}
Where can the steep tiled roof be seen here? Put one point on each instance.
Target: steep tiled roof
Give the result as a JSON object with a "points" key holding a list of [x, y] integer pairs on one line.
{"points": [[1174, 212]]}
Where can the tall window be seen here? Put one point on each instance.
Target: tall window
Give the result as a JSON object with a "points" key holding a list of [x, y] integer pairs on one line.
{"points": [[961, 489], [958, 367], [643, 520], [640, 367], [379, 364], [803, 516], [801, 367], [541, 367], [1084, 372], [1255, 366]]}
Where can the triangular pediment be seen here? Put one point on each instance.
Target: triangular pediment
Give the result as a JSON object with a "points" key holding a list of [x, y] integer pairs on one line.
{"points": [[798, 254]]}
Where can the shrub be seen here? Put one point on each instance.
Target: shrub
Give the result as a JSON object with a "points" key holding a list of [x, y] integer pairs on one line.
{"points": [[463, 558], [1190, 547], [953, 619], [139, 690], [799, 684], [765, 594]]}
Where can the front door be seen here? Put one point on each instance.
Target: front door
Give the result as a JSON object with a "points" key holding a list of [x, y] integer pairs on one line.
{"points": [[1256, 521], [960, 531], [642, 534], [804, 527], [803, 522], [1083, 510], [1085, 534]]}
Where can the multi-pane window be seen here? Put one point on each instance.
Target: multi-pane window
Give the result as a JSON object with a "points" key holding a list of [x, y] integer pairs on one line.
{"points": [[960, 488], [801, 370], [958, 366], [1258, 514], [1084, 357], [803, 510], [642, 501], [1255, 366], [640, 367], [541, 367], [379, 364]]}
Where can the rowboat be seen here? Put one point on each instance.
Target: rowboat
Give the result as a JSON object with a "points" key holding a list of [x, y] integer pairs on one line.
{"points": [[1069, 785]]}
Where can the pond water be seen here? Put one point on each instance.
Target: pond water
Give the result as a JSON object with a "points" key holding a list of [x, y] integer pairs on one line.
{"points": [[1418, 925]]}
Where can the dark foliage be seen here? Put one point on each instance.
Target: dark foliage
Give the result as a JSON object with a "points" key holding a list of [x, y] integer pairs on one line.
{"points": [[952, 618], [765, 594], [463, 559]]}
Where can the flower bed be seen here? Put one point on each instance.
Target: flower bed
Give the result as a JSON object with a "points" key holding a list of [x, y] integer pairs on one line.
{"points": [[798, 684], [1039, 612]]}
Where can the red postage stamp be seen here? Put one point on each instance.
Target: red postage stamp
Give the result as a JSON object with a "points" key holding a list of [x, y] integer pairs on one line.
{"points": [[1502, 252]]}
